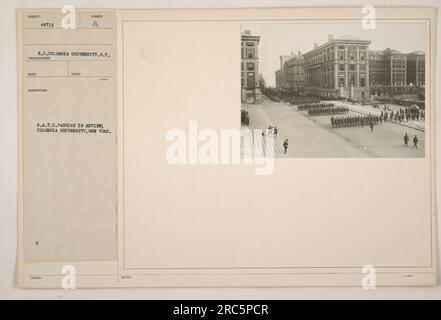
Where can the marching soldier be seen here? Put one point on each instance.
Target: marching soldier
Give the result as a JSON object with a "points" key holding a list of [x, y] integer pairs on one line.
{"points": [[285, 145], [415, 142], [406, 140]]}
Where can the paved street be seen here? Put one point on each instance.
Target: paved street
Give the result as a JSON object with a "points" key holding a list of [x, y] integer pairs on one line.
{"points": [[313, 136]]}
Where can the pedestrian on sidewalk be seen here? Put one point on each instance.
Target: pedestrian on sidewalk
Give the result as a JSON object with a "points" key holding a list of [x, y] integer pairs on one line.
{"points": [[415, 142], [372, 126], [406, 140], [285, 145]]}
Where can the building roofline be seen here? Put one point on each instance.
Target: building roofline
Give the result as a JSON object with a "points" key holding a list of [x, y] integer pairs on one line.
{"points": [[393, 51], [295, 57], [245, 37], [417, 52], [334, 41]]}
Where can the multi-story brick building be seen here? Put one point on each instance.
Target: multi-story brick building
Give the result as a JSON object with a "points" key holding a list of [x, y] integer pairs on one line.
{"points": [[416, 62], [250, 90], [338, 68], [393, 74], [377, 70], [416, 72]]}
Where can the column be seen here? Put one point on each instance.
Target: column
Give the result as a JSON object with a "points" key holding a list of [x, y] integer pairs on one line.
{"points": [[367, 78], [357, 74], [357, 70], [346, 74]]}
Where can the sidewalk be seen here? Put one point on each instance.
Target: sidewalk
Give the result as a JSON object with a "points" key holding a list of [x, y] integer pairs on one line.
{"points": [[259, 120]]}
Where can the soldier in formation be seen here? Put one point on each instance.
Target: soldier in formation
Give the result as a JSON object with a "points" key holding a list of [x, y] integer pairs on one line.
{"points": [[328, 111], [356, 121], [402, 115], [302, 107]]}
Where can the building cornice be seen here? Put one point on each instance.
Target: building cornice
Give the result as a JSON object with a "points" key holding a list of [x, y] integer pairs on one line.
{"points": [[337, 42], [250, 38]]}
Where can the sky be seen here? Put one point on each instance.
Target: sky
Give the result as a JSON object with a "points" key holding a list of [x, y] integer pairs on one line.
{"points": [[283, 38]]}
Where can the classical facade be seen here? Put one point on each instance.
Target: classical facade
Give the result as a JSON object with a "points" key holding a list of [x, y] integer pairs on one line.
{"points": [[338, 68], [346, 68], [250, 90]]}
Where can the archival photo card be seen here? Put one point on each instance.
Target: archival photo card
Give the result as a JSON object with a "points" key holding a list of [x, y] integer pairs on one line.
{"points": [[147, 161]]}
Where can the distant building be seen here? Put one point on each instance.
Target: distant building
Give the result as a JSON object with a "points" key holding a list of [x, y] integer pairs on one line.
{"points": [[377, 70], [291, 75], [294, 74], [393, 74], [416, 72], [279, 79], [416, 62], [283, 59], [250, 90], [338, 68]]}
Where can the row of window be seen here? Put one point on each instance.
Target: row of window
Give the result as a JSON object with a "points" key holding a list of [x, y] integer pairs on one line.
{"points": [[342, 54], [352, 55], [250, 66], [317, 80], [341, 67], [361, 67], [248, 53], [399, 64]]}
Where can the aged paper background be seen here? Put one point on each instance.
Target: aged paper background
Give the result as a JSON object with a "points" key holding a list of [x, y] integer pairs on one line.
{"points": [[337, 230], [304, 216], [69, 205], [308, 213]]}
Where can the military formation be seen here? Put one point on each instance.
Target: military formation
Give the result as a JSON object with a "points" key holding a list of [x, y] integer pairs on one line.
{"points": [[303, 100], [402, 115], [311, 106], [328, 111], [356, 121]]}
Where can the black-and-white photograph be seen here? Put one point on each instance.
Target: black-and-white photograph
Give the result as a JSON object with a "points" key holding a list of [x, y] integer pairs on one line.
{"points": [[335, 90]]}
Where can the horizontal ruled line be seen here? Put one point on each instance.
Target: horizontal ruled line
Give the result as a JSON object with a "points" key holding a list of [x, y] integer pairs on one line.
{"points": [[53, 60], [60, 28], [68, 44], [69, 76]]}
